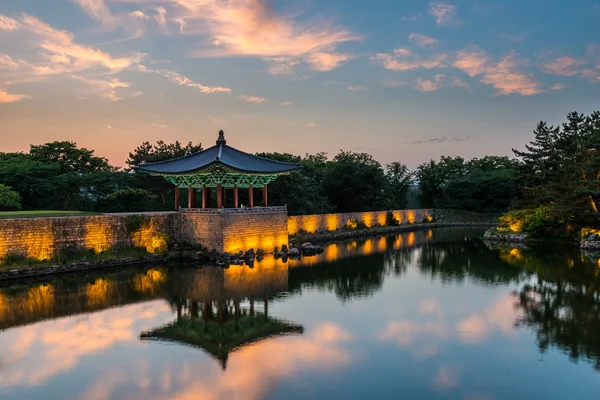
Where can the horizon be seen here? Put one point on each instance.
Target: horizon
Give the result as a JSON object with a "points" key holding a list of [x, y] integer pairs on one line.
{"points": [[403, 81]]}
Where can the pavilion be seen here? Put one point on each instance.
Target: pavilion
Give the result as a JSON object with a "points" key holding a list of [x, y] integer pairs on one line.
{"points": [[219, 167]]}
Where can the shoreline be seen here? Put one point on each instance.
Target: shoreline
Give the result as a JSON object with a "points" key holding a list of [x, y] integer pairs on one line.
{"points": [[23, 273]]}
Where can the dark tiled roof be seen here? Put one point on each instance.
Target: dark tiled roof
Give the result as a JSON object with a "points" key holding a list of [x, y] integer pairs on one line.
{"points": [[219, 154]]}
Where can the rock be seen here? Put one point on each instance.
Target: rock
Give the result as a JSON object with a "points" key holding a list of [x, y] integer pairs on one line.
{"points": [[283, 254], [306, 245], [275, 250], [284, 248], [259, 257], [294, 252], [259, 252]]}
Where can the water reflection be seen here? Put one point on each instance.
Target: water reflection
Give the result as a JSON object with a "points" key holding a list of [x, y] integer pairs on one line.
{"points": [[423, 310]]}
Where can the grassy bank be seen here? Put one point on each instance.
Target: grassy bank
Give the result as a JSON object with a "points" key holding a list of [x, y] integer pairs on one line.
{"points": [[44, 213]]}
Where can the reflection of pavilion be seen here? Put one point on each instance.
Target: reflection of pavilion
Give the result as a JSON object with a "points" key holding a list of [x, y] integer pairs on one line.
{"points": [[210, 314]]}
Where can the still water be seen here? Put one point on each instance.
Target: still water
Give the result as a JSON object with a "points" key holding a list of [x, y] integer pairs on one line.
{"points": [[427, 315]]}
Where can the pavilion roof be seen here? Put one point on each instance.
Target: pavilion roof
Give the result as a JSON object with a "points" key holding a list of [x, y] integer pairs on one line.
{"points": [[220, 154], [220, 341]]}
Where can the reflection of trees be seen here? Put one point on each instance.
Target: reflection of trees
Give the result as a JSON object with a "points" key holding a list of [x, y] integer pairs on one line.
{"points": [[563, 305], [349, 278], [464, 256]]}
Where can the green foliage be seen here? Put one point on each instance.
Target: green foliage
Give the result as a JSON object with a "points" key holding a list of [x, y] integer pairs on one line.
{"points": [[127, 200], [484, 185], [355, 182], [542, 222], [390, 220], [69, 158], [9, 200], [161, 151], [399, 181], [135, 223]]}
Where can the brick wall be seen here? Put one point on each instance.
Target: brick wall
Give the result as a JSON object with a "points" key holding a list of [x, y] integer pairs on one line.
{"points": [[332, 222], [42, 238], [242, 231], [202, 229]]}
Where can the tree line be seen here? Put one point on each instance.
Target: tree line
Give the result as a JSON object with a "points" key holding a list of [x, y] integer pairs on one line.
{"points": [[558, 170]]}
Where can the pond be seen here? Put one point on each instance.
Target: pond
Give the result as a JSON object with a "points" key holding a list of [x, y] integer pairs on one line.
{"points": [[429, 315]]}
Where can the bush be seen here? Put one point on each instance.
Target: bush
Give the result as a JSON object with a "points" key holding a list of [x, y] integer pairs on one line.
{"points": [[354, 224], [9, 199], [539, 222], [136, 223], [390, 220]]}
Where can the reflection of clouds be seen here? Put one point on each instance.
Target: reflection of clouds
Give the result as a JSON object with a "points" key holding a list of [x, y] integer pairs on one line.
{"points": [[500, 315], [404, 331], [251, 371], [446, 378], [430, 306], [30, 355]]}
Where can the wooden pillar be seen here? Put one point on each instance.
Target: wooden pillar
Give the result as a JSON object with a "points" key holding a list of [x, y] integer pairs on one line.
{"points": [[236, 200], [219, 196], [177, 198], [265, 197], [250, 197], [191, 197], [204, 196], [224, 189]]}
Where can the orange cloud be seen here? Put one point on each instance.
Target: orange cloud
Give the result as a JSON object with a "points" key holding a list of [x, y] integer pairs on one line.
{"points": [[12, 98], [403, 59], [505, 75], [502, 315], [327, 61], [252, 99], [7, 24], [105, 87]]}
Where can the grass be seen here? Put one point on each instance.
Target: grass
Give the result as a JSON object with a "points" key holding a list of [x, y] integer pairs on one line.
{"points": [[43, 213]]}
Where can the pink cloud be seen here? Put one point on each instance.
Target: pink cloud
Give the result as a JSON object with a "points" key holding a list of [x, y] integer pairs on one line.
{"points": [[253, 99], [11, 98], [559, 86], [327, 61], [7, 24], [445, 14], [311, 125], [422, 40], [403, 59], [424, 85], [563, 66], [506, 75], [357, 88], [106, 88]]}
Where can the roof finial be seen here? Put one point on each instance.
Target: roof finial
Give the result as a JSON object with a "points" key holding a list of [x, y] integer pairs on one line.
{"points": [[221, 140]]}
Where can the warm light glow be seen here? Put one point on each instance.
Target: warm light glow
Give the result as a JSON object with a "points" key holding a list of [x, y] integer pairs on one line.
{"points": [[268, 275], [97, 293], [331, 252], [98, 236], [411, 217], [151, 240], [39, 245], [293, 225], [351, 224], [310, 223], [332, 221], [149, 283], [516, 226], [428, 218], [255, 240], [411, 239], [368, 247], [367, 219], [381, 244], [429, 234], [3, 305], [398, 216], [40, 298], [398, 242], [381, 218]]}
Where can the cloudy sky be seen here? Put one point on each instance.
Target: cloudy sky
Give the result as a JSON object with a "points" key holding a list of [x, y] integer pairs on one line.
{"points": [[405, 80]]}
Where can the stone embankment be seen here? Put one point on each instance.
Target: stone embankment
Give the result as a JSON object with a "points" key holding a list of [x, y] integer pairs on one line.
{"points": [[292, 252]]}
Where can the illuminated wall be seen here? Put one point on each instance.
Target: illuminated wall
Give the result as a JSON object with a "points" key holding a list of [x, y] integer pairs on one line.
{"points": [[42, 238], [261, 230], [333, 222]]}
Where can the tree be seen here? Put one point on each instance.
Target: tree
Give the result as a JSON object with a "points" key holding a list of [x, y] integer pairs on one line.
{"points": [[128, 200], [69, 157], [160, 151], [399, 180], [301, 190], [355, 182], [9, 199]]}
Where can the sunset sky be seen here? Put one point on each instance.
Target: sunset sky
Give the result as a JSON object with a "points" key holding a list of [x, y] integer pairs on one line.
{"points": [[403, 80]]}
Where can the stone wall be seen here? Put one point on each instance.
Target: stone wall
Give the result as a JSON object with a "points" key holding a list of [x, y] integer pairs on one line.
{"points": [[242, 231], [42, 238], [202, 229], [333, 222]]}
